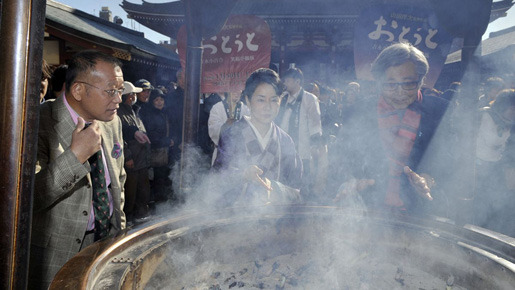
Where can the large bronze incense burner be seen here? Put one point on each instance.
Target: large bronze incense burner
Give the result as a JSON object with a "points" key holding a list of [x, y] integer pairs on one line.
{"points": [[276, 247]]}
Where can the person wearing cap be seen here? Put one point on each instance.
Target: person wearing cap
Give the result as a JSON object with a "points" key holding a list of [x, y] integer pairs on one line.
{"points": [[142, 96], [157, 125], [137, 156]]}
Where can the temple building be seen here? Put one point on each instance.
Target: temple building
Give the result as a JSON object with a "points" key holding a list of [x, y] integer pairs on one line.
{"points": [[68, 30], [318, 36], [497, 56]]}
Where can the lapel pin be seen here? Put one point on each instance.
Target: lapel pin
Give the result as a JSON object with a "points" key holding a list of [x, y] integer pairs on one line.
{"points": [[117, 150]]}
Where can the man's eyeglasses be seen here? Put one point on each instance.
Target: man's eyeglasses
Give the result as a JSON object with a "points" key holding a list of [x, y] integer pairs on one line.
{"points": [[405, 86], [111, 93]]}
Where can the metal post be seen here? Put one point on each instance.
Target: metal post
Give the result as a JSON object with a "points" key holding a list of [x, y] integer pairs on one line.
{"points": [[21, 42], [204, 19], [193, 74]]}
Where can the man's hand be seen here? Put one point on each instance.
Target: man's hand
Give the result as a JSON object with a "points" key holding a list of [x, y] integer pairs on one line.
{"points": [[421, 183], [129, 164], [252, 173], [86, 141], [141, 137]]}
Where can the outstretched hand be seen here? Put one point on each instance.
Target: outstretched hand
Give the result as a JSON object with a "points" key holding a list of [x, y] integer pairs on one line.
{"points": [[86, 140], [422, 183], [252, 173]]}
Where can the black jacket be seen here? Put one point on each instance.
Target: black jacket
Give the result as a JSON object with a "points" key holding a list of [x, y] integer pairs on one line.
{"points": [[156, 123], [139, 153]]}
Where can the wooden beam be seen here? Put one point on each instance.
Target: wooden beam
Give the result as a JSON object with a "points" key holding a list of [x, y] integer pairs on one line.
{"points": [[85, 43]]}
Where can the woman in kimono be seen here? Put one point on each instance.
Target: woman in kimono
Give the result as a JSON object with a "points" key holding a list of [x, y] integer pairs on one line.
{"points": [[256, 159]]}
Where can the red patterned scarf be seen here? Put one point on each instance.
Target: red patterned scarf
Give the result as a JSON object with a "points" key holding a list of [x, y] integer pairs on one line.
{"points": [[398, 131]]}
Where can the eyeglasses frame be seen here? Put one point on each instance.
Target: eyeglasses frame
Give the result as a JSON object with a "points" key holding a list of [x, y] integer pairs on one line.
{"points": [[401, 84], [111, 93]]}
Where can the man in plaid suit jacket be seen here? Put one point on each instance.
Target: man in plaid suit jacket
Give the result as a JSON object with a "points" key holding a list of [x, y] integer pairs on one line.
{"points": [[74, 127]]}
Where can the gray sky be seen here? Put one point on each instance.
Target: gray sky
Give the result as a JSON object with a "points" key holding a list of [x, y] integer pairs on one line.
{"points": [[94, 6]]}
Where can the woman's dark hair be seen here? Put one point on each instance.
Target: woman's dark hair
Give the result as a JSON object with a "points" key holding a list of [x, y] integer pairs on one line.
{"points": [[260, 76]]}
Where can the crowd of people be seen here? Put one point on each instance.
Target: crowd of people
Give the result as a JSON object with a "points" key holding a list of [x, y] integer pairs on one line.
{"points": [[107, 147]]}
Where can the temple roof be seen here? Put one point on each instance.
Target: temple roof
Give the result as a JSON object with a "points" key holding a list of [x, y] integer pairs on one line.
{"points": [[500, 8], [166, 18], [94, 29], [497, 41], [255, 7]]}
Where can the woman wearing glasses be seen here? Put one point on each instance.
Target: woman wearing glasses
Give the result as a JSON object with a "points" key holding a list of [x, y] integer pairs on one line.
{"points": [[390, 139]]}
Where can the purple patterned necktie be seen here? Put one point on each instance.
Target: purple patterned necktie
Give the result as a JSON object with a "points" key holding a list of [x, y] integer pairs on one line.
{"points": [[100, 198]]}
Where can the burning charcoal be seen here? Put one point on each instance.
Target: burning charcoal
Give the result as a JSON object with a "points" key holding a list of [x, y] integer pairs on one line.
{"points": [[281, 283], [243, 271], [215, 287], [241, 284], [233, 284], [302, 269], [257, 264], [275, 266], [215, 275], [229, 279], [398, 276], [364, 275], [293, 282], [450, 282]]}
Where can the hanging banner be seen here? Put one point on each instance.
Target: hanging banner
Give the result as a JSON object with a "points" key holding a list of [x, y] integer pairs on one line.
{"points": [[380, 26], [242, 46]]}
